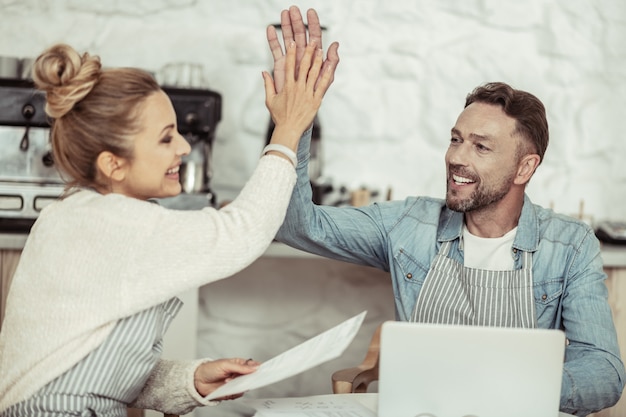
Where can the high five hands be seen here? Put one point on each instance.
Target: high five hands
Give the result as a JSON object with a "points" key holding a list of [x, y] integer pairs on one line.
{"points": [[301, 77], [294, 30]]}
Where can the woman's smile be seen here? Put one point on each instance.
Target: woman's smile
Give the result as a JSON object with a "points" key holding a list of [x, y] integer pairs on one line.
{"points": [[173, 173]]}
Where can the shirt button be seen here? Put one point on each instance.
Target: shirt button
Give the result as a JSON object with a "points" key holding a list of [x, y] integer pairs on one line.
{"points": [[543, 297], [409, 275]]}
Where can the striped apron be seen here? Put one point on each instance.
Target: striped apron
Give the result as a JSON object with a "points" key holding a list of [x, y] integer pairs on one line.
{"points": [[454, 294], [110, 376]]}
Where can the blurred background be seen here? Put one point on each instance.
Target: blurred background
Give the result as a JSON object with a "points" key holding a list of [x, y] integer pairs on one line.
{"points": [[406, 67]]}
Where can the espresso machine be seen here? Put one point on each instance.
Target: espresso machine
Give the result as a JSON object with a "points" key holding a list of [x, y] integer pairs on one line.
{"points": [[29, 180]]}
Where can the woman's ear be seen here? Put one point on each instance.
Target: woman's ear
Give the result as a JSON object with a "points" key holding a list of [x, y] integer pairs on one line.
{"points": [[526, 168], [111, 166]]}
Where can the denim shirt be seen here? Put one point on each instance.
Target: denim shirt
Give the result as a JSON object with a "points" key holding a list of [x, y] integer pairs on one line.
{"points": [[403, 237]]}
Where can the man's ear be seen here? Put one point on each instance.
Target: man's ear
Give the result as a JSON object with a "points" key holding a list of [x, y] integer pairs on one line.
{"points": [[526, 168], [111, 166]]}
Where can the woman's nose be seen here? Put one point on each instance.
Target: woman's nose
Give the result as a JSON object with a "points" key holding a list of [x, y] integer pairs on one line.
{"points": [[184, 147]]}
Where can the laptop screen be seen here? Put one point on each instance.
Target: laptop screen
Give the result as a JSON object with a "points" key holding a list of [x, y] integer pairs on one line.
{"points": [[458, 371]]}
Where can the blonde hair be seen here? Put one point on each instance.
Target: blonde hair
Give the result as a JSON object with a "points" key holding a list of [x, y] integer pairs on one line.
{"points": [[92, 110]]}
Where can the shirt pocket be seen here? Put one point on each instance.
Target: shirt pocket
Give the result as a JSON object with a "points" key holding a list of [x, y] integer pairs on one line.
{"points": [[409, 268], [547, 296]]}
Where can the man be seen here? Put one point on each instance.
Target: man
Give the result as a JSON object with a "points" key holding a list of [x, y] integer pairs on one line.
{"points": [[486, 255]]}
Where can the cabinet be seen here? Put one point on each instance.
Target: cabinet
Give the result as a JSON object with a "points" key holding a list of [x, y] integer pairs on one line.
{"points": [[8, 262], [281, 300]]}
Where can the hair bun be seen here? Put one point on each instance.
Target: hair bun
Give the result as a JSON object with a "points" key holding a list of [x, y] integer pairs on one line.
{"points": [[65, 76]]}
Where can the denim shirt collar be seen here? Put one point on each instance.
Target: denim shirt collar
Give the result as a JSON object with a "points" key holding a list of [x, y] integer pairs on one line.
{"points": [[526, 239]]}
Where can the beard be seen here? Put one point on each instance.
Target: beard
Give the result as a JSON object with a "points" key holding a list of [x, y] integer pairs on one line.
{"points": [[483, 196]]}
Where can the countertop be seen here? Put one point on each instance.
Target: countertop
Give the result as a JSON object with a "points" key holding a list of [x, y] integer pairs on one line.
{"points": [[614, 256], [12, 240]]}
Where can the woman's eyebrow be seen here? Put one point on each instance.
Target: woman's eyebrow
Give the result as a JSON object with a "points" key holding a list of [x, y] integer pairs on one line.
{"points": [[168, 127]]}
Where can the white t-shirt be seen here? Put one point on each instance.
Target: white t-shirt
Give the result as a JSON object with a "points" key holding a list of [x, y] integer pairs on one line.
{"points": [[489, 253]]}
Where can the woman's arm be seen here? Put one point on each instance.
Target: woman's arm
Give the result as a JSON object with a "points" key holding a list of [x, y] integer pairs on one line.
{"points": [[177, 387]]}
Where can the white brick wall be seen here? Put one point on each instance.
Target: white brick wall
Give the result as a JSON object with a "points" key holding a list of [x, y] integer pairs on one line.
{"points": [[406, 68]]}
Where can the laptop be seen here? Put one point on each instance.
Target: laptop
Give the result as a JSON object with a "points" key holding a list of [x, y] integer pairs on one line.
{"points": [[436, 370]]}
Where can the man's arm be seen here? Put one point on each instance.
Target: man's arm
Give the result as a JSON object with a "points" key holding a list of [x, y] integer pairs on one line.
{"points": [[593, 373]]}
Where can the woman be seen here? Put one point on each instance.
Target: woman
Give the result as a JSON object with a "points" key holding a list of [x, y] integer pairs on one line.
{"points": [[95, 288]]}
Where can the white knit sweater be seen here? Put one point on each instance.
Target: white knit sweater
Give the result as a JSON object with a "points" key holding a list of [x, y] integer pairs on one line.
{"points": [[92, 259], [171, 388]]}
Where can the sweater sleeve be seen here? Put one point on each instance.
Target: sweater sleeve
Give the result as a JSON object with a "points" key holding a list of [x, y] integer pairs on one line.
{"points": [[170, 389], [171, 251], [135, 254]]}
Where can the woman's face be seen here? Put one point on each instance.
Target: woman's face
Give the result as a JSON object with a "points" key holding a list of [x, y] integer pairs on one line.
{"points": [[153, 172]]}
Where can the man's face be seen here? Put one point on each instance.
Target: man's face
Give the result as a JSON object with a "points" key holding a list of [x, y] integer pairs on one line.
{"points": [[481, 161]]}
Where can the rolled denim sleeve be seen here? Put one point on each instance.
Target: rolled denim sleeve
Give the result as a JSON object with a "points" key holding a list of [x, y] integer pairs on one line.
{"points": [[348, 234], [593, 373]]}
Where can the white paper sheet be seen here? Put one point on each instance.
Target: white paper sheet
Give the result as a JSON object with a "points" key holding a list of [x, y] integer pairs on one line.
{"points": [[323, 347], [315, 406]]}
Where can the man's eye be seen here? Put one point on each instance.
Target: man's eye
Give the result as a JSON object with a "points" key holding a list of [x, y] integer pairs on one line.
{"points": [[455, 140], [482, 148], [167, 139]]}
